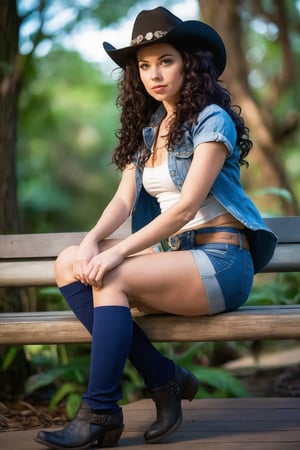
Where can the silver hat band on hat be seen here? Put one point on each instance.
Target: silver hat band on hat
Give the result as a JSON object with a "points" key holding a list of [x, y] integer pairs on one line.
{"points": [[148, 37]]}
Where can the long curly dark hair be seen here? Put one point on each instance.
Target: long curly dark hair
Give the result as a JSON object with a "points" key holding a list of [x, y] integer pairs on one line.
{"points": [[200, 89]]}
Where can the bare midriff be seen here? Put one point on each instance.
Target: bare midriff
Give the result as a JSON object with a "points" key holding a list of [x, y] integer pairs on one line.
{"points": [[226, 220], [222, 236]]}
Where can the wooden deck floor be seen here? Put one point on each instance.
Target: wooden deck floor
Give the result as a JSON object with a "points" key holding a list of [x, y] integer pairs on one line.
{"points": [[214, 424]]}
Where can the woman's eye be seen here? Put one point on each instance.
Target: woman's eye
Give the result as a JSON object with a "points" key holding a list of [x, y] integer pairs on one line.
{"points": [[143, 66], [166, 62]]}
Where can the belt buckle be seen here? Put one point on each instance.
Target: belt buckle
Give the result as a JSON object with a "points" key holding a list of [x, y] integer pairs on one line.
{"points": [[174, 242]]}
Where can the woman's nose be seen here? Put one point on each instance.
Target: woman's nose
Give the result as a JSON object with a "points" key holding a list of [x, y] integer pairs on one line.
{"points": [[155, 74]]}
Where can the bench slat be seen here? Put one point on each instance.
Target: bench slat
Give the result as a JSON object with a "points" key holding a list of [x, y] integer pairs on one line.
{"points": [[33, 245], [41, 273], [286, 258], [40, 245], [27, 273], [247, 323], [286, 228], [44, 245]]}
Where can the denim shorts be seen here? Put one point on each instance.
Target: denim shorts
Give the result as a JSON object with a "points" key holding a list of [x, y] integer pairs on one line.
{"points": [[226, 270]]}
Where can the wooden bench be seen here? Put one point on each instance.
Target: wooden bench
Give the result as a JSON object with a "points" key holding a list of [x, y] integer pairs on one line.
{"points": [[26, 261]]}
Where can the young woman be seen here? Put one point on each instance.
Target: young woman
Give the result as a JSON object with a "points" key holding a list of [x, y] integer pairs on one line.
{"points": [[196, 240]]}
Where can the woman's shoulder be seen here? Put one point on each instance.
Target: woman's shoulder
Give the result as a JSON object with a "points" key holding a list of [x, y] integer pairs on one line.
{"points": [[214, 118], [214, 124], [213, 110]]}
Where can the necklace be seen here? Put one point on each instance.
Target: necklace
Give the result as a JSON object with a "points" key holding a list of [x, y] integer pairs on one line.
{"points": [[160, 144]]}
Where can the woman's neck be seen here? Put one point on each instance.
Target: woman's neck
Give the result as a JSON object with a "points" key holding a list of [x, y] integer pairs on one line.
{"points": [[170, 109]]}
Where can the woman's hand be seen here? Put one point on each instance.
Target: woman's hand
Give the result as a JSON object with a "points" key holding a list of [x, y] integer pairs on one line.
{"points": [[86, 251], [100, 264]]}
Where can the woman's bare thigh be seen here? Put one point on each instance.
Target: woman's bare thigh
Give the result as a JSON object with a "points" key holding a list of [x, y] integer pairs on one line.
{"points": [[156, 282], [166, 282], [64, 262]]}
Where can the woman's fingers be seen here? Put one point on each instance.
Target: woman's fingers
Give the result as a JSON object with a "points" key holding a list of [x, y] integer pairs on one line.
{"points": [[79, 269], [95, 273], [91, 271]]}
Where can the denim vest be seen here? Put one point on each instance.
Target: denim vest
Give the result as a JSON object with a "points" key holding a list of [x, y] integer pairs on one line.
{"points": [[213, 125]]}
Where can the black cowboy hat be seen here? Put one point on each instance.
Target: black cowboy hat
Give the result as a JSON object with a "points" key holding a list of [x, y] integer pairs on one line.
{"points": [[160, 25]]}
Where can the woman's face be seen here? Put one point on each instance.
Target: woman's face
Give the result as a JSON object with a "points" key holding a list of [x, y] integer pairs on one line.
{"points": [[160, 68]]}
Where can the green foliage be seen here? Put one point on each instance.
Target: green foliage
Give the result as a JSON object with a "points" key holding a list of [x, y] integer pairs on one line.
{"points": [[215, 381], [218, 383], [9, 357], [283, 289], [278, 192], [67, 130], [109, 15], [59, 371], [50, 299]]}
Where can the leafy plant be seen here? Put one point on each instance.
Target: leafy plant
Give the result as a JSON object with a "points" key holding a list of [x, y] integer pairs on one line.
{"points": [[218, 383], [284, 289], [60, 380]]}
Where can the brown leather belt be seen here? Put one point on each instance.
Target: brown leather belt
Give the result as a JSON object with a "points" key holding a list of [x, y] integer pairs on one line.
{"points": [[215, 237], [222, 237]]}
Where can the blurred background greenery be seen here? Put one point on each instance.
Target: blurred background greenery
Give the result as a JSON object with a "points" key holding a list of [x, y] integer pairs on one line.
{"points": [[57, 132], [65, 140]]}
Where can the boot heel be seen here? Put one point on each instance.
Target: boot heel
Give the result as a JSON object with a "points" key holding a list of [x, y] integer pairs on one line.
{"points": [[110, 437], [191, 388]]}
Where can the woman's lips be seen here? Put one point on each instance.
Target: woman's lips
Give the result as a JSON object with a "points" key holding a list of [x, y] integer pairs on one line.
{"points": [[159, 88]]}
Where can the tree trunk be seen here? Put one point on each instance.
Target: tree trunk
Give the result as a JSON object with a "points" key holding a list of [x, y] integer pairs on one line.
{"points": [[9, 90], [267, 170]]}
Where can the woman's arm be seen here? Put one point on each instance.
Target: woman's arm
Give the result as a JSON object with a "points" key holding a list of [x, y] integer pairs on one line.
{"points": [[207, 162], [113, 216], [118, 209]]}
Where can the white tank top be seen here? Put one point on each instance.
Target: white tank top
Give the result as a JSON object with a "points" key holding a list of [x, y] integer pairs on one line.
{"points": [[158, 183]]}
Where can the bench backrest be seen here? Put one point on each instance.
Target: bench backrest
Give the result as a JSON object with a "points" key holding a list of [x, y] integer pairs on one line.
{"points": [[27, 260]]}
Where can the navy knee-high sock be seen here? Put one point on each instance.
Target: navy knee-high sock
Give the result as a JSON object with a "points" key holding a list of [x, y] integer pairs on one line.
{"points": [[80, 299], [155, 368], [111, 340]]}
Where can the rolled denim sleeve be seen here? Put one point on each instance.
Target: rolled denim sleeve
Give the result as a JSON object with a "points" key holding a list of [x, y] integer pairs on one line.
{"points": [[215, 125]]}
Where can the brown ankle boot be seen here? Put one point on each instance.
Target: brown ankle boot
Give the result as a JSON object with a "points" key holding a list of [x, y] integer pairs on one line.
{"points": [[87, 428], [167, 399]]}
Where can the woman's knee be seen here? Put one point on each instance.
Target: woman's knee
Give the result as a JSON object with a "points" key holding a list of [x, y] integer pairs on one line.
{"points": [[63, 265]]}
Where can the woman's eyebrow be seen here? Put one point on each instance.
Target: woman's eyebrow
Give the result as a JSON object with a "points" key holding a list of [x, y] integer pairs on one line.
{"points": [[159, 57]]}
